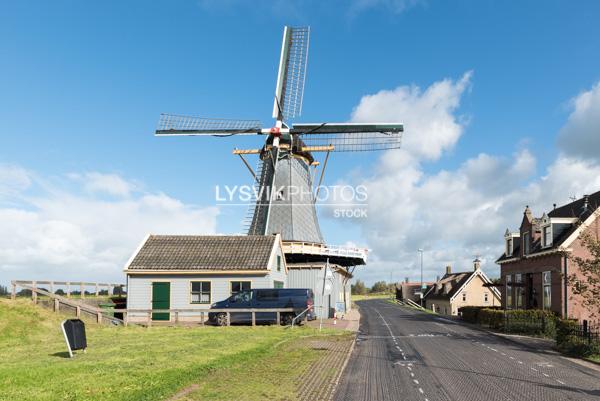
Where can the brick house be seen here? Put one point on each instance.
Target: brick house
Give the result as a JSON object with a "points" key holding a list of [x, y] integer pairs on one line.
{"points": [[536, 258], [411, 290]]}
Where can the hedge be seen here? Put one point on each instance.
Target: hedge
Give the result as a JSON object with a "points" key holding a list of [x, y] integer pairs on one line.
{"points": [[530, 321], [569, 339]]}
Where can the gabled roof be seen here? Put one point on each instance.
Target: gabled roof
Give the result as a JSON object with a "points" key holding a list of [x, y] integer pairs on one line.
{"points": [[576, 209], [448, 285], [204, 253], [451, 284]]}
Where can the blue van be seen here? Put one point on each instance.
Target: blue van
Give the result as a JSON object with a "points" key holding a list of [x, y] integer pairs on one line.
{"points": [[268, 298]]}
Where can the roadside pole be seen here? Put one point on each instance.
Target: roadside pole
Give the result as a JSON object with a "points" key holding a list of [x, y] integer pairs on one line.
{"points": [[323, 295]]}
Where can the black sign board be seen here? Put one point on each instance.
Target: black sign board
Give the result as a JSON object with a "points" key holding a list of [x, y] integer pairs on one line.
{"points": [[74, 332]]}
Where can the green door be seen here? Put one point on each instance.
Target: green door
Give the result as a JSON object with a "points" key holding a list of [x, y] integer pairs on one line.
{"points": [[161, 299], [277, 284]]}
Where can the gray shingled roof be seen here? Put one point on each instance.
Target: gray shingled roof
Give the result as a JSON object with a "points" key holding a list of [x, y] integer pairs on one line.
{"points": [[204, 252], [448, 285]]}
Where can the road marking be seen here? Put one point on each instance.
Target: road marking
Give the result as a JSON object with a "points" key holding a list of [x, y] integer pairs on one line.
{"points": [[520, 362], [420, 390], [534, 369], [416, 381], [512, 357], [412, 374], [545, 375], [560, 382]]}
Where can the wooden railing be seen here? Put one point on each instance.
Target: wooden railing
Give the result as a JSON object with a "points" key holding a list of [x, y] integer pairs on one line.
{"points": [[203, 313], [33, 284], [327, 250], [98, 313]]}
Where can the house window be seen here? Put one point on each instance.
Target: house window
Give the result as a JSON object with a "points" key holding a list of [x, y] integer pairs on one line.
{"points": [[277, 284], [526, 243], [547, 234], [464, 296], [485, 297], [200, 292], [239, 286], [509, 246], [508, 280], [547, 289], [278, 263], [519, 290]]}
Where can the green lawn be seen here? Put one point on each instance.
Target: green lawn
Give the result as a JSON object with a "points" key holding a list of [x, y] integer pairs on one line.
{"points": [[356, 297], [137, 363]]}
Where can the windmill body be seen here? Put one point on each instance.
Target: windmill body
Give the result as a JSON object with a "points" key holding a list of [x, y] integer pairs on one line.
{"points": [[284, 186]]}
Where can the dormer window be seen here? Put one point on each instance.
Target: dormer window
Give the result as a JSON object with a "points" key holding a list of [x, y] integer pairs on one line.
{"points": [[526, 243], [547, 235], [509, 246]]}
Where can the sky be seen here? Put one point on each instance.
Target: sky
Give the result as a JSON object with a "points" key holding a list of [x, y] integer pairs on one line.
{"points": [[500, 103]]}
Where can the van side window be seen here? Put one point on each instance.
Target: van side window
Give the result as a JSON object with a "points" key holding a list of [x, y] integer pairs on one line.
{"points": [[267, 295]]}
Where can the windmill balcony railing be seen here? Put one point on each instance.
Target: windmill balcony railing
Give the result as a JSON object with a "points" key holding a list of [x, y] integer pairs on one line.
{"points": [[328, 250]]}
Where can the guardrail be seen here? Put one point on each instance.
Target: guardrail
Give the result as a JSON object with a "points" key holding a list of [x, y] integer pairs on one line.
{"points": [[33, 284]]}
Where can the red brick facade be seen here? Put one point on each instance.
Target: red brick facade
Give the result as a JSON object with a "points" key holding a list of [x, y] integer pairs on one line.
{"points": [[555, 260]]}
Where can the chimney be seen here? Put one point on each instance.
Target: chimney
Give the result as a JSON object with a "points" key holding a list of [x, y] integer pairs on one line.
{"points": [[448, 269], [586, 203], [437, 278], [406, 280], [554, 204], [476, 264]]}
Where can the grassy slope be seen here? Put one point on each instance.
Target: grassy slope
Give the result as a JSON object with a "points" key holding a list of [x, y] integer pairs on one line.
{"points": [[356, 297], [132, 363]]}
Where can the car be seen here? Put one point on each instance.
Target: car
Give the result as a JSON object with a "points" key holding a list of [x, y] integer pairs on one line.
{"points": [[300, 299]]}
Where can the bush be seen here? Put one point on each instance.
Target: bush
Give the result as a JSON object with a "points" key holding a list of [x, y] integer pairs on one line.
{"points": [[570, 339], [470, 313], [493, 318]]}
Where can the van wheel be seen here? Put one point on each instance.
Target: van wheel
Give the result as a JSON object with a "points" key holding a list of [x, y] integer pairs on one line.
{"points": [[286, 320], [222, 319]]}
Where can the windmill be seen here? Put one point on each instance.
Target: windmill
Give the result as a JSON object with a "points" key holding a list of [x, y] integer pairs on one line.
{"points": [[285, 202]]}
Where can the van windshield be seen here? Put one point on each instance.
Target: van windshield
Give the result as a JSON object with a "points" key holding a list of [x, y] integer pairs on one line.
{"points": [[244, 296]]}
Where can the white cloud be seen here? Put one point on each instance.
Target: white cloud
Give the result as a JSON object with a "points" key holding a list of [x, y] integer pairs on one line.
{"points": [[453, 214], [393, 6], [72, 234], [111, 184], [13, 180], [429, 116], [580, 137]]}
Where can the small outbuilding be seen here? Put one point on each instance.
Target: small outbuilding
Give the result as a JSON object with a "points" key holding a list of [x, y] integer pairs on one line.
{"points": [[194, 271]]}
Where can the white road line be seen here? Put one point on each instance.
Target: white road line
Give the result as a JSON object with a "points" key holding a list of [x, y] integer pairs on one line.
{"points": [[512, 357], [545, 375], [560, 382], [409, 368], [420, 390], [534, 369], [412, 374], [416, 381], [520, 362]]}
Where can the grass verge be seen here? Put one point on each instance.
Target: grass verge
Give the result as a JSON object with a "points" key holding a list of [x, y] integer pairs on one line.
{"points": [[135, 363]]}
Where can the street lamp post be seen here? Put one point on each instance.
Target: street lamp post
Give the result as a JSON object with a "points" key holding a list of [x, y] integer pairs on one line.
{"points": [[420, 250]]}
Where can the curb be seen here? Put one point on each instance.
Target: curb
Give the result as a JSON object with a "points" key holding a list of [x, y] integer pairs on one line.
{"points": [[343, 369]]}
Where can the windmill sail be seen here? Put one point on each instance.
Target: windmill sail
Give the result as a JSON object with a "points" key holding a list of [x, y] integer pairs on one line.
{"points": [[173, 125], [292, 73], [350, 137]]}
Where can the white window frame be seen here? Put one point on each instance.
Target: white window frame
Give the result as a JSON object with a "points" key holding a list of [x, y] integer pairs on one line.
{"points": [[547, 238], [549, 286], [509, 297], [231, 292], [509, 245], [192, 292]]}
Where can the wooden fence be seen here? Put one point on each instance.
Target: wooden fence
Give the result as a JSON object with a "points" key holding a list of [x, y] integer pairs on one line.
{"points": [[107, 314]]}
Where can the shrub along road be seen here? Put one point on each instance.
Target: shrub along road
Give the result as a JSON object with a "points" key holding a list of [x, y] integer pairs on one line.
{"points": [[404, 354]]}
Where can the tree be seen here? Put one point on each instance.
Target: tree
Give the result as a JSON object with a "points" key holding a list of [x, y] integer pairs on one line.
{"points": [[379, 286], [3, 290], [359, 288], [587, 283]]}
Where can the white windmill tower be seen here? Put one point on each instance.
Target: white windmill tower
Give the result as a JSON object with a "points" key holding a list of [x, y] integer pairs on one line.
{"points": [[285, 201]]}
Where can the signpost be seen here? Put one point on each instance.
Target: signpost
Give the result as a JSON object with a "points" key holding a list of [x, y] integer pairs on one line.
{"points": [[74, 332]]}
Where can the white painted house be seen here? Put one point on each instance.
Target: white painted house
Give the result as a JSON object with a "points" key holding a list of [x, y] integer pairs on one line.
{"points": [[194, 271]]}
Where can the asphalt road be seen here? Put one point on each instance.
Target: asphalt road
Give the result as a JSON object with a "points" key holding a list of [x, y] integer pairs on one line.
{"points": [[403, 354]]}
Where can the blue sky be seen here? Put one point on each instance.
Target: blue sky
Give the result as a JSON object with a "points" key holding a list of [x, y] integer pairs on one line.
{"points": [[82, 85]]}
